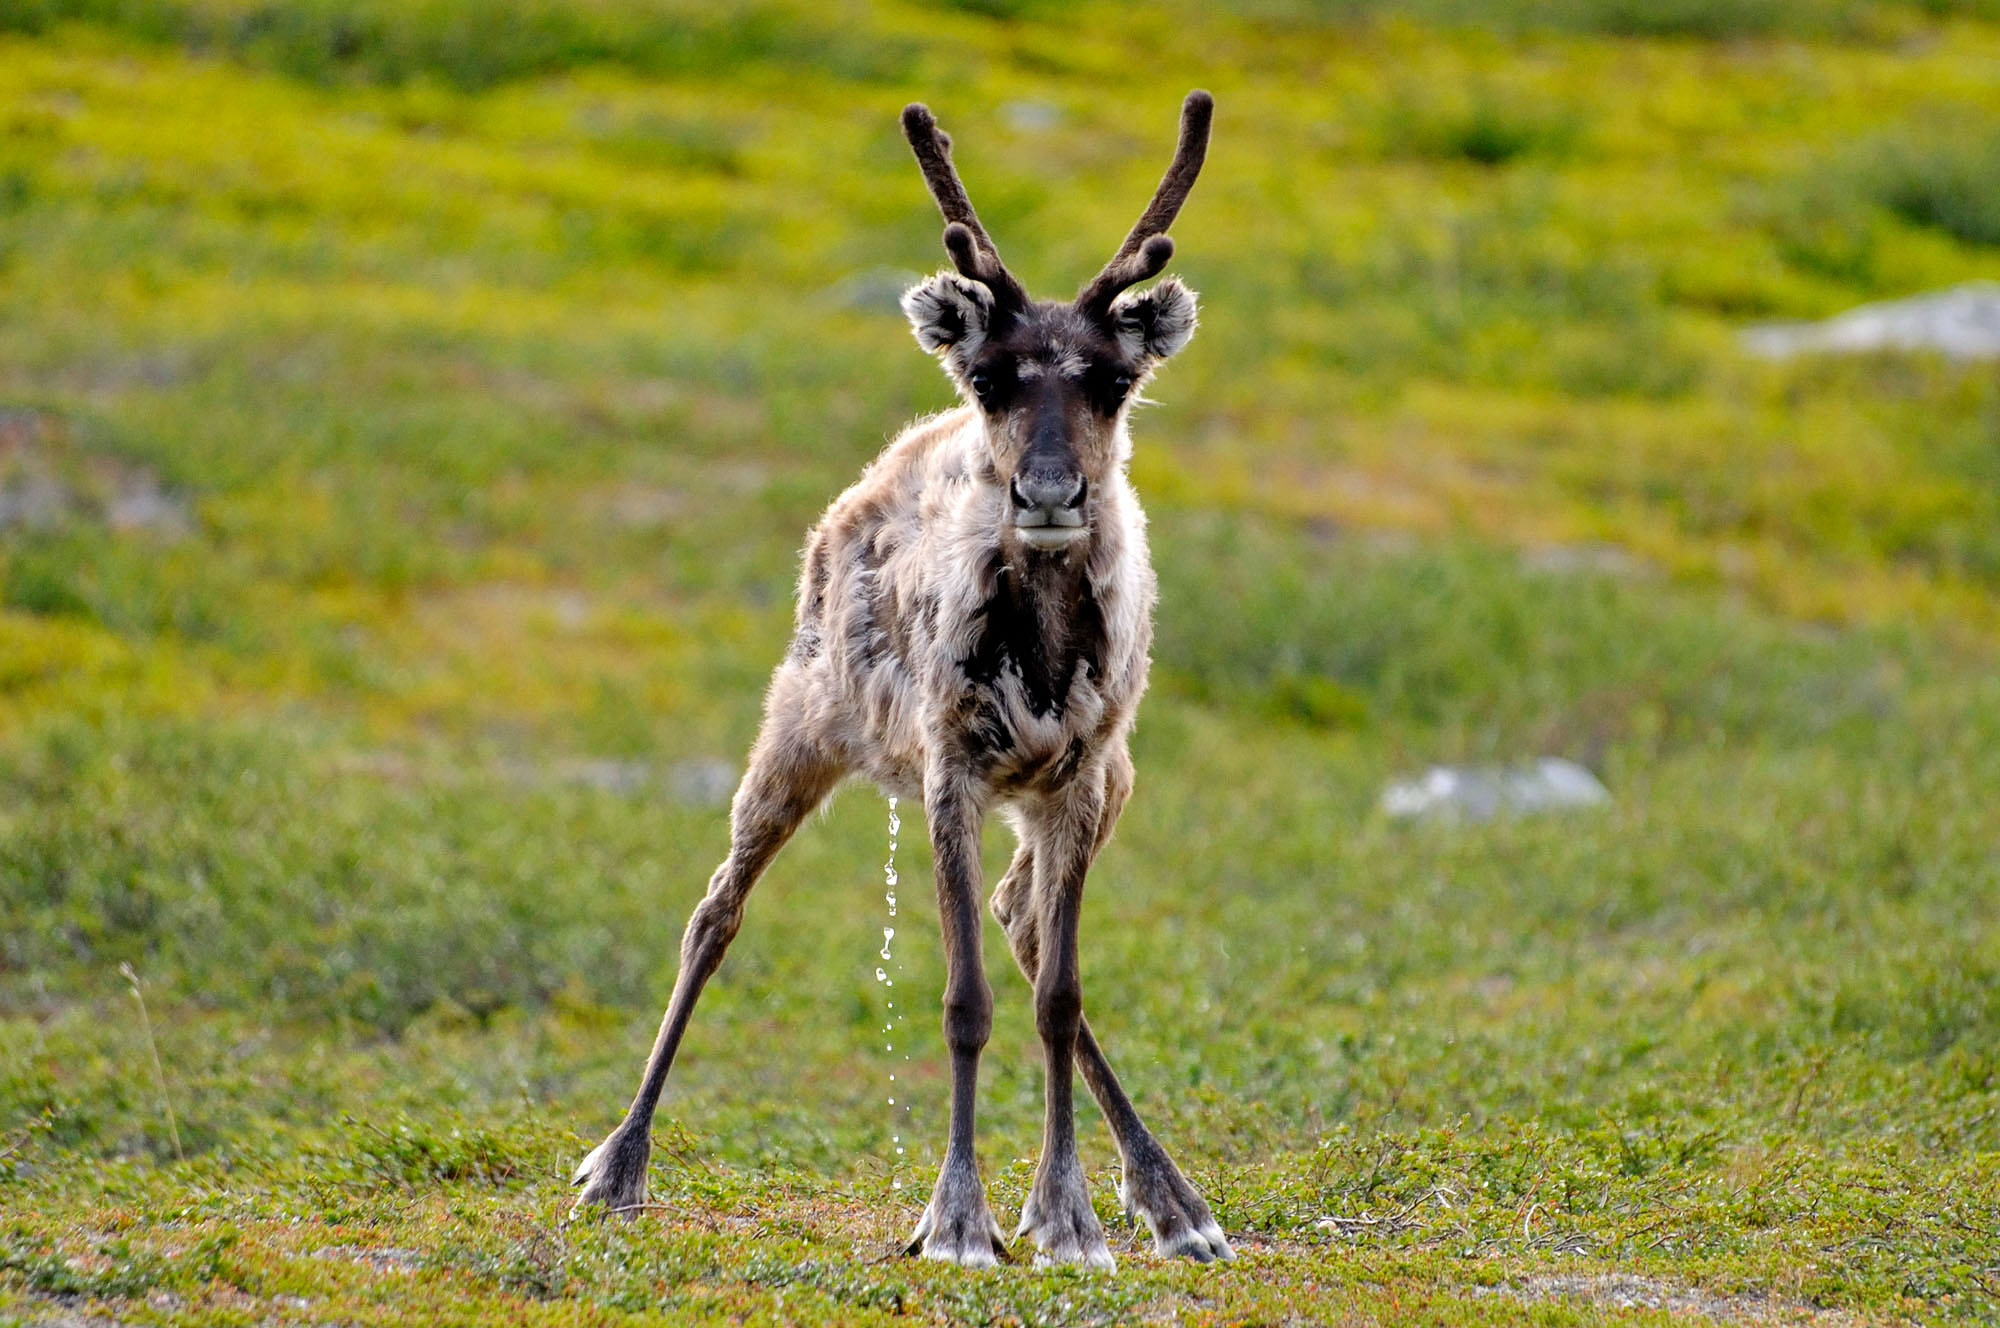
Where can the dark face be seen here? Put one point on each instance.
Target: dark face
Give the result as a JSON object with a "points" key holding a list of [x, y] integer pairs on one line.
{"points": [[1051, 388], [1051, 382]]}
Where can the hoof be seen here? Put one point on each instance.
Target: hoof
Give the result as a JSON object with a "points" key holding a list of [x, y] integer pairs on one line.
{"points": [[613, 1176], [1154, 1191], [1059, 1218], [957, 1226]]}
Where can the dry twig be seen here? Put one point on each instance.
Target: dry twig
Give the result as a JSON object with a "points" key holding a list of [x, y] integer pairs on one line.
{"points": [[1392, 1222], [153, 1047]]}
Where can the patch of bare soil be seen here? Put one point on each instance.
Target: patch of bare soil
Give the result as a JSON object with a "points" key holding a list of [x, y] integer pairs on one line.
{"points": [[47, 481], [1630, 1291], [65, 1312]]}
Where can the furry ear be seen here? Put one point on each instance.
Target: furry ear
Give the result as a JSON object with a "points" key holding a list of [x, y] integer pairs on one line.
{"points": [[950, 313], [1153, 324]]}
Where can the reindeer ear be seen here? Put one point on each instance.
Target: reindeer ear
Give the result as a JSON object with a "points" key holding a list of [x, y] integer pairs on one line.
{"points": [[1155, 323], [950, 313]]}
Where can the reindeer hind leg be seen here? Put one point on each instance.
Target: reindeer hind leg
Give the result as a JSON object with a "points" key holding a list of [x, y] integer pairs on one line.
{"points": [[1152, 1188], [789, 775]]}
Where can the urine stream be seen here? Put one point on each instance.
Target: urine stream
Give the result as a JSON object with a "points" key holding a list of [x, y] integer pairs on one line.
{"points": [[899, 1112]]}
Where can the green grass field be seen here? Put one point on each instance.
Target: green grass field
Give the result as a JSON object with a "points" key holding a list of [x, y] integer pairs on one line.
{"points": [[409, 417]]}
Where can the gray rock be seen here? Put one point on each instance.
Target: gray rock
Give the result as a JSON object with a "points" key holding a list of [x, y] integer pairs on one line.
{"points": [[1588, 557], [1480, 793], [873, 290], [709, 782], [33, 501], [141, 504], [1031, 116], [1962, 322], [607, 775], [703, 782], [46, 481]]}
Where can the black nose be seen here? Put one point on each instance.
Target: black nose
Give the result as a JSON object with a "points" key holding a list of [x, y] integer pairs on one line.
{"points": [[1048, 490]]}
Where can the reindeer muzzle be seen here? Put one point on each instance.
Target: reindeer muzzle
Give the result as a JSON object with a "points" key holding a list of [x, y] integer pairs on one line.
{"points": [[1048, 507]]}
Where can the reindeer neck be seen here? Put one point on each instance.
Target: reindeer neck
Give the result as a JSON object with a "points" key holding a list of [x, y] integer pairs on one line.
{"points": [[1047, 591]]}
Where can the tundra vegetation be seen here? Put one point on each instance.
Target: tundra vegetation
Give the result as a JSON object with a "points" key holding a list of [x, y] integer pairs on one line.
{"points": [[409, 416]]}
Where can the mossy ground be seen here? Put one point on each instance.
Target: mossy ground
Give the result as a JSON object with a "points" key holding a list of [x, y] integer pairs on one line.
{"points": [[422, 417]]}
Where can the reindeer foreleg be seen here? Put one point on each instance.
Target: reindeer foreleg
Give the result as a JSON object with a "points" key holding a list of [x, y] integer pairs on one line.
{"points": [[787, 778], [957, 1225]]}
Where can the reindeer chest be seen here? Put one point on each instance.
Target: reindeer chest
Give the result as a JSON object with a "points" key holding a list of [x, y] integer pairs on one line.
{"points": [[1031, 686]]}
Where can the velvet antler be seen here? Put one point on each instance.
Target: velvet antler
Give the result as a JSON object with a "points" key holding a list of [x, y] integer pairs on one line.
{"points": [[971, 249], [1147, 248]]}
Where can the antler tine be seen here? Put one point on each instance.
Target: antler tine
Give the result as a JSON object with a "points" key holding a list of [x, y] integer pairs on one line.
{"points": [[972, 250], [1196, 113], [1146, 248]]}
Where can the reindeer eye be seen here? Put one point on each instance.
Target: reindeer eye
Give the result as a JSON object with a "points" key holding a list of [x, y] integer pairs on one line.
{"points": [[1123, 382], [982, 386]]}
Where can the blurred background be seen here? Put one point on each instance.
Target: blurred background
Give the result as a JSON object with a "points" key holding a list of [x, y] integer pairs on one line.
{"points": [[410, 413]]}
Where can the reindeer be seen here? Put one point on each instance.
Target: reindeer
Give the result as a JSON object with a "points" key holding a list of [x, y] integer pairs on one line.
{"points": [[973, 626]]}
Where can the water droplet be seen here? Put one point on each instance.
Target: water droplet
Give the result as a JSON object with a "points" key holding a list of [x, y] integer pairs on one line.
{"points": [[887, 955]]}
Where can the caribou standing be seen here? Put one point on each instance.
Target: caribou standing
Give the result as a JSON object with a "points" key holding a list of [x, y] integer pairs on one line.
{"points": [[973, 626]]}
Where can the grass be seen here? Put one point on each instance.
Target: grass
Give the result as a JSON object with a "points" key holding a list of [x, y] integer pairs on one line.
{"points": [[1943, 182], [406, 434], [379, 42]]}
